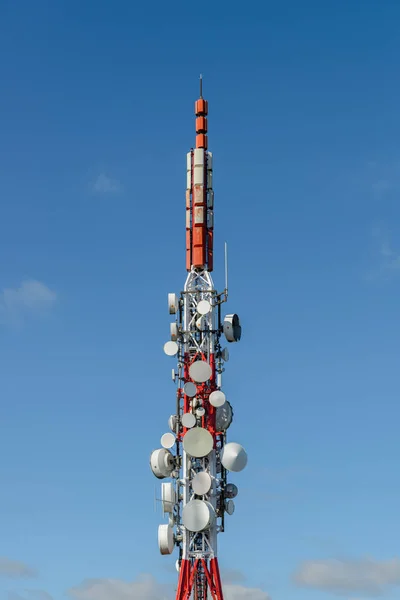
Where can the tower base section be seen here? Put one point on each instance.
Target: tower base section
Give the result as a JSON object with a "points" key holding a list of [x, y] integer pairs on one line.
{"points": [[199, 579]]}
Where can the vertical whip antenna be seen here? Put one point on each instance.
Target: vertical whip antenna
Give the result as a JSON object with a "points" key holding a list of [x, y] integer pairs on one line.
{"points": [[226, 270]]}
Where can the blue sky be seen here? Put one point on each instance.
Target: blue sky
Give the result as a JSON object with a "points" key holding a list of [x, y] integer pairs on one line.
{"points": [[96, 117]]}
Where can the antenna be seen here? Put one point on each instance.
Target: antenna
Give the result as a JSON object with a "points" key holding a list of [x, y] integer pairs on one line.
{"points": [[226, 270], [201, 86]]}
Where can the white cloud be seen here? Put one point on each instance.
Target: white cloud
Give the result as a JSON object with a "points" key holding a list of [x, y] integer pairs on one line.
{"points": [[15, 569], [39, 595], [232, 575], [240, 592], [31, 297], [366, 576], [32, 595], [106, 185], [147, 588]]}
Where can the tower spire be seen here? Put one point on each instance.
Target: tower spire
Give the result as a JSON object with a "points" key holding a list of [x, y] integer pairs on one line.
{"points": [[201, 111]]}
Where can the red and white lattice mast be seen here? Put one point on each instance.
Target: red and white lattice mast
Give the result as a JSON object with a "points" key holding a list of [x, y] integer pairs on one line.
{"points": [[196, 455]]}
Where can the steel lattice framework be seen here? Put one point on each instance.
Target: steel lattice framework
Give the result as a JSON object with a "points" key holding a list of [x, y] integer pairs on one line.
{"points": [[199, 495]]}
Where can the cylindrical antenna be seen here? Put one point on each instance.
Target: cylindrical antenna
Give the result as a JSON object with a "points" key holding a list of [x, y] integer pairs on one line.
{"points": [[226, 268], [201, 86]]}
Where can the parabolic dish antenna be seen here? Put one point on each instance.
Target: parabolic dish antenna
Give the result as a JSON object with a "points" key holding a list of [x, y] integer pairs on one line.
{"points": [[200, 412], [200, 323], [172, 422], [223, 417], [167, 440], [200, 370], [190, 389], [178, 565], [203, 307], [188, 420], [201, 483], [171, 348], [168, 497], [217, 398], [225, 354], [165, 539], [233, 457], [162, 463], [230, 507], [231, 490], [232, 328], [198, 515], [198, 442]]}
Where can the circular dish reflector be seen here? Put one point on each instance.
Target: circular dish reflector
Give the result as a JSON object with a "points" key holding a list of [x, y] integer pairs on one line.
{"points": [[201, 483], [198, 515], [165, 539], [167, 440], [231, 490], [225, 354], [172, 422], [168, 497], [190, 389], [200, 412], [217, 398], [178, 565], [198, 442], [162, 463], [200, 323], [203, 307], [200, 370], [188, 420], [171, 348], [223, 417], [232, 328], [233, 457], [230, 507]]}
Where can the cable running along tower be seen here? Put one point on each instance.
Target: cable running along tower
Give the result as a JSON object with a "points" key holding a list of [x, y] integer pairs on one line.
{"points": [[195, 455]]}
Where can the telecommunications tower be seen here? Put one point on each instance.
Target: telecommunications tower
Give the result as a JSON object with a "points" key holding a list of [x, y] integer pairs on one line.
{"points": [[196, 455]]}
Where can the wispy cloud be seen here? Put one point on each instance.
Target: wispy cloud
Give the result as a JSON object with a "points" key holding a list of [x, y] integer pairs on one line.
{"points": [[15, 569], [389, 255], [30, 298], [39, 595], [343, 577], [384, 178], [147, 588], [230, 576], [32, 595], [106, 185]]}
